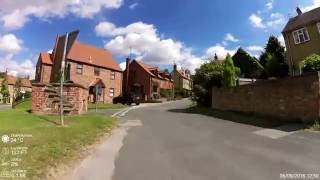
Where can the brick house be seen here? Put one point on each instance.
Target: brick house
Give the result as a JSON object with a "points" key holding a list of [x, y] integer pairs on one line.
{"points": [[91, 67], [182, 80], [145, 80], [302, 38], [25, 85]]}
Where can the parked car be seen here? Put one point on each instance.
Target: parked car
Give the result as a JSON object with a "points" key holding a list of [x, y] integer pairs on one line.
{"points": [[127, 99]]}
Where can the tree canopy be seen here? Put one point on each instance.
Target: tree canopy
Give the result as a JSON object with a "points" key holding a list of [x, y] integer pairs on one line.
{"points": [[273, 59], [249, 66]]}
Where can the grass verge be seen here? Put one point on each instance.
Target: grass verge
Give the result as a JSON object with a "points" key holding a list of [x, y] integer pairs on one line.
{"points": [[315, 126], [106, 106], [250, 119], [50, 144]]}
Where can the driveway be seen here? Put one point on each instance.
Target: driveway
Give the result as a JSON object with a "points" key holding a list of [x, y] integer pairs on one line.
{"points": [[156, 143]]}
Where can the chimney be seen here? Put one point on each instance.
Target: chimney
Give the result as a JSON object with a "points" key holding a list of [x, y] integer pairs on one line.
{"points": [[127, 75], [174, 67], [299, 11]]}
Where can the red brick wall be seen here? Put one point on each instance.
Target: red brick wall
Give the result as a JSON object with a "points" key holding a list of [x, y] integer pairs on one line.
{"points": [[294, 98], [73, 94], [88, 76], [140, 76], [45, 73]]}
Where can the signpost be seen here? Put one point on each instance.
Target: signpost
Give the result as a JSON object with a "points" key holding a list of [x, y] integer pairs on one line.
{"points": [[62, 78], [69, 39]]}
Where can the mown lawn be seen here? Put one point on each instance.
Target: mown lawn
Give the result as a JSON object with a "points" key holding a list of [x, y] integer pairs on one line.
{"points": [[106, 106], [50, 144]]}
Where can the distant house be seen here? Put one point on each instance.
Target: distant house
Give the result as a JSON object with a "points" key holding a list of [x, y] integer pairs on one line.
{"points": [[24, 85], [302, 38], [93, 68], [145, 80], [182, 80]]}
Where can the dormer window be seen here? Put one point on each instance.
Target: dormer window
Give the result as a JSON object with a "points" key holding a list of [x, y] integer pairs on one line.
{"points": [[300, 36], [318, 25]]}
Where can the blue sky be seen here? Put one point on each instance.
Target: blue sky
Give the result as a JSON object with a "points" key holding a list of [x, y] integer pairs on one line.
{"points": [[158, 32]]}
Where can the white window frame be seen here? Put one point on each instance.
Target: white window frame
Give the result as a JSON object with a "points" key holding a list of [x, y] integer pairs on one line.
{"points": [[318, 25], [111, 92], [300, 33]]}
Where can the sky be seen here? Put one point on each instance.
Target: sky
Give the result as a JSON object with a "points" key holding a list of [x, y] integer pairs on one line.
{"points": [[160, 33]]}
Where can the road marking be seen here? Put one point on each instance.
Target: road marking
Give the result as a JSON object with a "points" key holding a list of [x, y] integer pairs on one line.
{"points": [[273, 133]]}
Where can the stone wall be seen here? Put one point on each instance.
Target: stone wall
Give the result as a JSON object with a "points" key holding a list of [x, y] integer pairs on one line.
{"points": [[291, 99], [46, 98]]}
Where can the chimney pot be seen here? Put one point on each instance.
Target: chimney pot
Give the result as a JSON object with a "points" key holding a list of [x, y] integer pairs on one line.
{"points": [[299, 11]]}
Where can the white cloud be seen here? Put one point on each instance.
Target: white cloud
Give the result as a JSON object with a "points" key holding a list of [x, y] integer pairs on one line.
{"points": [[17, 68], [281, 40], [230, 37], [314, 4], [9, 43], [256, 21], [254, 48], [134, 5], [220, 50], [143, 41], [16, 13], [269, 4], [275, 20]]}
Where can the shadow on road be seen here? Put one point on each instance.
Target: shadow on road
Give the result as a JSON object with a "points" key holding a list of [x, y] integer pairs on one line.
{"points": [[244, 118]]}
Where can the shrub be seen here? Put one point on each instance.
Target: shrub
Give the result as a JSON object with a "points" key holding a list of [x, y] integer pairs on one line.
{"points": [[311, 63], [229, 72]]}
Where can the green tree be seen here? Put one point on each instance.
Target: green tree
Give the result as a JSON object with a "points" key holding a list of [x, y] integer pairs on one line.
{"points": [[249, 66], [209, 75], [278, 67], [4, 90], [229, 72], [311, 63]]}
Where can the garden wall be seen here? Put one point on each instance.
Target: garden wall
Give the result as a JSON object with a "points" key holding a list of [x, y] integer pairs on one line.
{"points": [[46, 98], [290, 99]]}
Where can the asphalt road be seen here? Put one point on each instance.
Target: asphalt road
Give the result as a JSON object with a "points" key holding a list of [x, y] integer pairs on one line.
{"points": [[161, 142]]}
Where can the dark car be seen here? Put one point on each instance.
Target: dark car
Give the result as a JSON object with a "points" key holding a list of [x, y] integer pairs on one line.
{"points": [[127, 99]]}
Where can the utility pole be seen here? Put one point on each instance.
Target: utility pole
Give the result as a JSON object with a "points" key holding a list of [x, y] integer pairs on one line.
{"points": [[62, 78]]}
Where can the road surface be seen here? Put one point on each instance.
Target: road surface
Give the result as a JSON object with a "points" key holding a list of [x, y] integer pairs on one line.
{"points": [[161, 142]]}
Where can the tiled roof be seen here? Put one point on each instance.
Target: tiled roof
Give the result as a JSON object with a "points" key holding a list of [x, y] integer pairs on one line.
{"points": [[88, 54], [304, 19], [12, 81], [45, 58], [181, 74], [146, 67]]}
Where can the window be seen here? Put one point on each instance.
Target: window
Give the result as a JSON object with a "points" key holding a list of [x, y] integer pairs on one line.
{"points": [[79, 68], [113, 75], [300, 36], [97, 71], [111, 92], [318, 24]]}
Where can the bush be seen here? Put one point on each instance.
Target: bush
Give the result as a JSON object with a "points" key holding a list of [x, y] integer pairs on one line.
{"points": [[201, 95], [311, 63], [229, 72], [207, 76], [166, 93]]}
